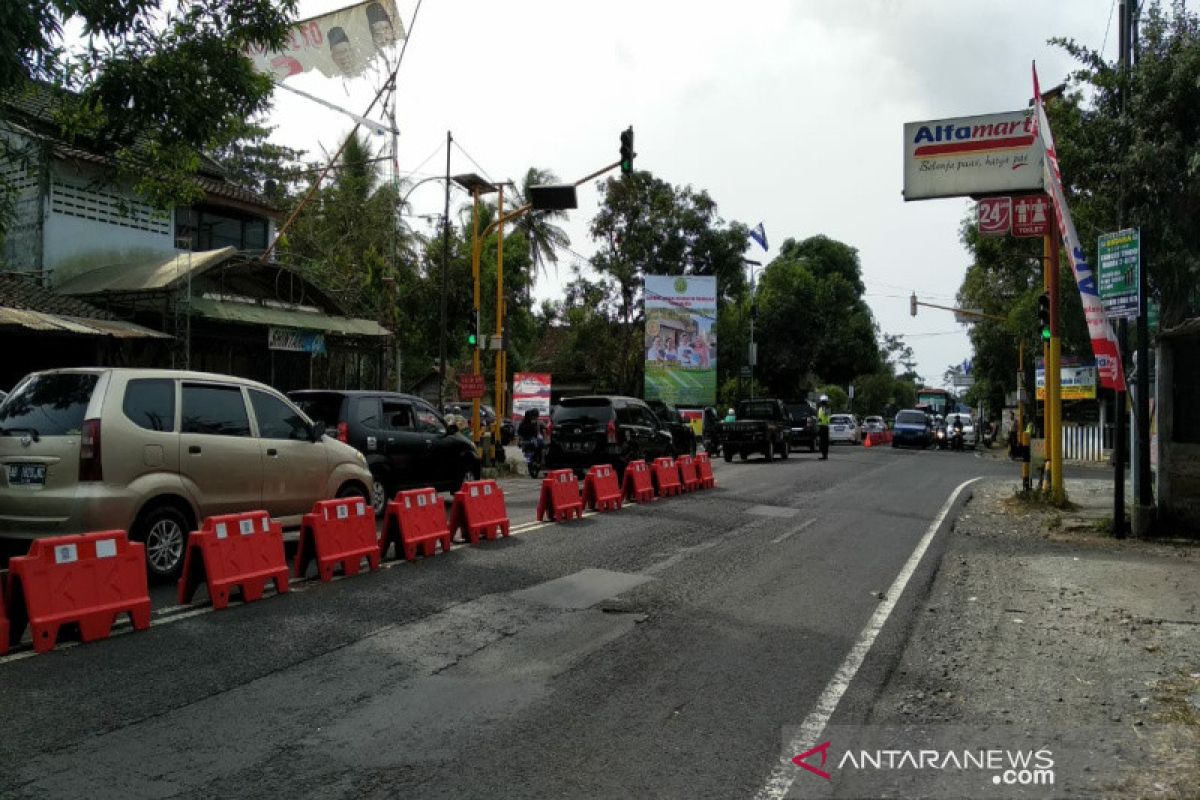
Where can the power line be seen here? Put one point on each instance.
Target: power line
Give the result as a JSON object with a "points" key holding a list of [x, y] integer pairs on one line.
{"points": [[1107, 26], [482, 171]]}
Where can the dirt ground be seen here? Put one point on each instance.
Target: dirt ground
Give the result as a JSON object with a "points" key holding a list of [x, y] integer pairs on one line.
{"points": [[1038, 621]]}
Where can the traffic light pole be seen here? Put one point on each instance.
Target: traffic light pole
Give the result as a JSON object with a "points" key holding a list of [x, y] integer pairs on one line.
{"points": [[1054, 374], [476, 434]]}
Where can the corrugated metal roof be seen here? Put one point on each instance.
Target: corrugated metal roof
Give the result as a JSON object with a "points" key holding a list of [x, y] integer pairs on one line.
{"points": [[286, 318], [146, 276], [59, 323]]}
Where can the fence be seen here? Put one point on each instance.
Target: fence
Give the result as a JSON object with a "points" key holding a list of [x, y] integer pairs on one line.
{"points": [[1084, 442]]}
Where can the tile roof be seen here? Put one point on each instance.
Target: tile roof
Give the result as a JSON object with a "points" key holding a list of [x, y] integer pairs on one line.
{"points": [[21, 291]]}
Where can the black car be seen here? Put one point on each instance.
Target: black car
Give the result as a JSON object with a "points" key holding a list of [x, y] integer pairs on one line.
{"points": [[605, 430], [682, 435], [804, 425], [407, 444], [487, 418]]}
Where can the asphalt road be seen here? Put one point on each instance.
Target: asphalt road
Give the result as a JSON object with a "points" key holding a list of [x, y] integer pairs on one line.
{"points": [[670, 649]]}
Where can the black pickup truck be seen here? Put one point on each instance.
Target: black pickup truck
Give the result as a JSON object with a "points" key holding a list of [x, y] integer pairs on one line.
{"points": [[762, 426]]}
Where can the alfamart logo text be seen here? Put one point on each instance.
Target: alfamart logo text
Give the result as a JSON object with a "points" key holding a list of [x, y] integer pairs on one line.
{"points": [[1008, 767]]}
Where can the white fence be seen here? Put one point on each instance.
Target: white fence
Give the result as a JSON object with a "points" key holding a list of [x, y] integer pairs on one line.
{"points": [[1083, 442]]}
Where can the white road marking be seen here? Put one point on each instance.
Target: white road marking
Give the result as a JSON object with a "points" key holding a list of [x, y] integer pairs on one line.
{"points": [[793, 531], [780, 782]]}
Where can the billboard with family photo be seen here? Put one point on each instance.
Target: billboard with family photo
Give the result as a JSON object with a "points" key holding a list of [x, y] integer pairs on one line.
{"points": [[681, 339]]}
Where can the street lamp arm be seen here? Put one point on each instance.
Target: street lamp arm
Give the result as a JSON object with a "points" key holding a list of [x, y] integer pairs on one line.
{"points": [[962, 312], [413, 188]]}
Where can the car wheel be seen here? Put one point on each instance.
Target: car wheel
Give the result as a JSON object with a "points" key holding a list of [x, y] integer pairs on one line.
{"points": [[743, 455], [770, 454], [728, 457], [379, 494], [163, 530], [352, 490], [785, 451]]}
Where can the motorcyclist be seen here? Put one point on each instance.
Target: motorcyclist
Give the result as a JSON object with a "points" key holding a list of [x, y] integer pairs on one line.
{"points": [[730, 416], [823, 425], [530, 431], [958, 431]]}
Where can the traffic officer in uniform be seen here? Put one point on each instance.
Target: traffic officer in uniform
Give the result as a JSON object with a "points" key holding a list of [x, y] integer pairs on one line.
{"points": [[823, 425]]}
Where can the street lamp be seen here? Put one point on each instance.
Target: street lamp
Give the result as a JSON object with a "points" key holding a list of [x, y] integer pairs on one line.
{"points": [[478, 187]]}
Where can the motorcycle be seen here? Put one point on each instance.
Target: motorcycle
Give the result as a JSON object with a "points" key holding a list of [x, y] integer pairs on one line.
{"points": [[534, 456], [956, 439]]}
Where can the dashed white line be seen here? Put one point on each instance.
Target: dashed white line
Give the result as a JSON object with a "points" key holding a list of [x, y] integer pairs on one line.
{"points": [[782, 777], [793, 531]]}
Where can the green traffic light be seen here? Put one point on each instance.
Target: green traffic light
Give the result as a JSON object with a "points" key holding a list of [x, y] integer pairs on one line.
{"points": [[471, 340], [1046, 334]]}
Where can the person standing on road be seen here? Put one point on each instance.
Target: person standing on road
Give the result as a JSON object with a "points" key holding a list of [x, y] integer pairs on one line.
{"points": [[823, 426]]}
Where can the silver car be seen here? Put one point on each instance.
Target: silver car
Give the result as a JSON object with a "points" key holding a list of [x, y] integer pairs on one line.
{"points": [[154, 452]]}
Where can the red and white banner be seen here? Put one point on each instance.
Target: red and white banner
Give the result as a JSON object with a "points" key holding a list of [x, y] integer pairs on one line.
{"points": [[341, 44], [1104, 341], [530, 390]]}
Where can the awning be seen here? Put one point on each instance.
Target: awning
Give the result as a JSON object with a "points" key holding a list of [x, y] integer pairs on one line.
{"points": [[83, 326], [156, 274], [229, 311]]}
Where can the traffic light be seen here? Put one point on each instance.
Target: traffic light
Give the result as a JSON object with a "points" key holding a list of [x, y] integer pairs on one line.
{"points": [[1044, 315], [912, 304], [627, 153], [473, 329]]}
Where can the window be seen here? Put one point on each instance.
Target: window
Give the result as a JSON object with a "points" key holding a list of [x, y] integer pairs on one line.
{"points": [[646, 417], [53, 404], [211, 228], [368, 412], [276, 419], [325, 408], [217, 410], [397, 416], [150, 404], [627, 416], [428, 421]]}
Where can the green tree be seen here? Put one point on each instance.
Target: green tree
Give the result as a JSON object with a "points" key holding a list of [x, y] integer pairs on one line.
{"points": [[155, 83], [545, 238]]}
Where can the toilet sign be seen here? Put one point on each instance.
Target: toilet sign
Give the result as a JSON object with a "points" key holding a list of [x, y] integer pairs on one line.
{"points": [[1031, 216], [994, 215]]}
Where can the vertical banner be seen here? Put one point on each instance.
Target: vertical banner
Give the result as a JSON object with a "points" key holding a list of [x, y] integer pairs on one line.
{"points": [[338, 45], [681, 339], [1104, 342], [530, 390]]}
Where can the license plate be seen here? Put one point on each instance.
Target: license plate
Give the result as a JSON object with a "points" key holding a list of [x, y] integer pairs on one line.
{"points": [[26, 475], [577, 447], [838, 428]]}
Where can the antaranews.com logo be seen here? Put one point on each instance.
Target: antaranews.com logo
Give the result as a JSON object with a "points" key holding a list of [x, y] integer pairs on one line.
{"points": [[1007, 767]]}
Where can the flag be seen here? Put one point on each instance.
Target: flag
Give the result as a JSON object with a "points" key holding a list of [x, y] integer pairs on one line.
{"points": [[759, 235], [1104, 341]]}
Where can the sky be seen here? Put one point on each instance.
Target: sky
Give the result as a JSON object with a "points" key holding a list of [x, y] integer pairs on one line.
{"points": [[787, 112]]}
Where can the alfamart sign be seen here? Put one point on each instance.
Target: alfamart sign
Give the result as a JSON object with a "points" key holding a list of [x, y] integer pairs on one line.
{"points": [[987, 154]]}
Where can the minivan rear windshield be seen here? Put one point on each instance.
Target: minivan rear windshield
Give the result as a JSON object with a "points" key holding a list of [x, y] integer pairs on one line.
{"points": [[52, 404], [591, 410], [323, 408], [910, 418]]}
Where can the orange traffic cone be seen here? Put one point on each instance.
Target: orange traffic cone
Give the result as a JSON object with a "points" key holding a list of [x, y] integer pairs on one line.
{"points": [[867, 440]]}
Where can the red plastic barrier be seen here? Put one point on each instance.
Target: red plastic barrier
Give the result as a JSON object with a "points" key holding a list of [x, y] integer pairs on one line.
{"points": [[337, 532], [637, 485], [560, 496], [704, 471], [234, 551], [689, 479], [3, 624], [600, 489], [87, 580], [479, 511], [666, 478], [416, 518]]}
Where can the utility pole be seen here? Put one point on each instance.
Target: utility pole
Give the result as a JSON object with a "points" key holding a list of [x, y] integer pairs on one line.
{"points": [[1054, 376], [1122, 326], [1145, 498], [445, 282]]}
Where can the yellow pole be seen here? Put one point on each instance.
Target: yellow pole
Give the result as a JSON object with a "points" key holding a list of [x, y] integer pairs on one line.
{"points": [[476, 434], [1047, 396], [498, 397], [1022, 437]]}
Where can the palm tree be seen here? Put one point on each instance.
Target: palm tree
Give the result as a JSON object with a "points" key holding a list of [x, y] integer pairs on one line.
{"points": [[544, 237]]}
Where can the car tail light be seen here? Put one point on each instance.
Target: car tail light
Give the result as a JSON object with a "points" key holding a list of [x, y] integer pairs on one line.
{"points": [[90, 468], [343, 434], [611, 431]]}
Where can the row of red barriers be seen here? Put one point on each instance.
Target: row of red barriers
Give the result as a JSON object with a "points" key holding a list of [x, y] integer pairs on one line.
{"points": [[88, 581], [561, 499], [872, 439]]}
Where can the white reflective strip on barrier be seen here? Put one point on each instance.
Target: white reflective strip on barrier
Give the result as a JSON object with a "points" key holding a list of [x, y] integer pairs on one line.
{"points": [[66, 554], [106, 548]]}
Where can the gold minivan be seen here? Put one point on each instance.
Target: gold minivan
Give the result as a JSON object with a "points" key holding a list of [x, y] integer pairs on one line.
{"points": [[153, 452]]}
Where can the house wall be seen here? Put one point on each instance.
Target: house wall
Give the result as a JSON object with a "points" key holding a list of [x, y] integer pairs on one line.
{"points": [[91, 224], [1178, 461], [22, 171]]}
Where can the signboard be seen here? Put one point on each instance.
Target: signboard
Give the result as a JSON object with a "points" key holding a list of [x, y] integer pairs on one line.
{"points": [[1120, 260], [530, 390], [681, 339], [989, 154], [341, 44], [1078, 382], [994, 216], [470, 387], [1031, 216], [296, 341]]}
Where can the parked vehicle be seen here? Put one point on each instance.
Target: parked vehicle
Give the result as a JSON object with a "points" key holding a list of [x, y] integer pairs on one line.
{"points": [[761, 426], [605, 429], [487, 417], [874, 425], [682, 435], [154, 452], [804, 425], [406, 443], [844, 428], [912, 428]]}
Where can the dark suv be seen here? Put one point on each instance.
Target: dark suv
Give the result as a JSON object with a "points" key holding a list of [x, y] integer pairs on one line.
{"points": [[804, 425], [605, 430], [406, 443], [682, 434]]}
